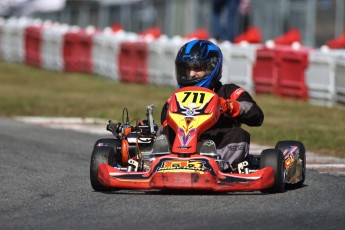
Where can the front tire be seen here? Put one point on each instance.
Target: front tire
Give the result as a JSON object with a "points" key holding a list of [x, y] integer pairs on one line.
{"points": [[104, 152], [274, 158], [283, 145]]}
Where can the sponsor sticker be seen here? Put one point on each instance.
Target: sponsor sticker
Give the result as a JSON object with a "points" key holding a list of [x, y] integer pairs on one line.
{"points": [[182, 166]]}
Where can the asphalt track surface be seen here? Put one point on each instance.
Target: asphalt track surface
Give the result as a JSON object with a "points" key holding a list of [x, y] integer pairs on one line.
{"points": [[44, 177]]}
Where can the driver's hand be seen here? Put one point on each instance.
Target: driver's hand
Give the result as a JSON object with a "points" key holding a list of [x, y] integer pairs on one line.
{"points": [[230, 107]]}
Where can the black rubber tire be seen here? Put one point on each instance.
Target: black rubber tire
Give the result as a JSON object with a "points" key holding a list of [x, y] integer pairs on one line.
{"points": [[283, 145], [104, 152], [274, 158]]}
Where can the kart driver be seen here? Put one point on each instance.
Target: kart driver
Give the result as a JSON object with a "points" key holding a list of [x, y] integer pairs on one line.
{"points": [[199, 63]]}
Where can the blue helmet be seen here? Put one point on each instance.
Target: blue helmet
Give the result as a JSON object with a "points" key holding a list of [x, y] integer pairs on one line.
{"points": [[199, 54]]}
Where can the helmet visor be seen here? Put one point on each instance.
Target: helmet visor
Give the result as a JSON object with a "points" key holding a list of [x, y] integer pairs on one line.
{"points": [[189, 73]]}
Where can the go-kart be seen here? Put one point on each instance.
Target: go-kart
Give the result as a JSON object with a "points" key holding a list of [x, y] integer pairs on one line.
{"points": [[137, 158]]}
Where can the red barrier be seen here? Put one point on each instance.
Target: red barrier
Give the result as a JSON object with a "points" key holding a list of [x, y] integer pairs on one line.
{"points": [[281, 70], [117, 27], [293, 35], [265, 70], [33, 40], [77, 51], [133, 62], [198, 34], [251, 35], [291, 73], [126, 60], [71, 51], [337, 43], [86, 42], [155, 32]]}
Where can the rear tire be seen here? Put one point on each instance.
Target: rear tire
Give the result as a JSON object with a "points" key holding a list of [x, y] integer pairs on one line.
{"points": [[274, 158], [283, 145], [104, 152]]}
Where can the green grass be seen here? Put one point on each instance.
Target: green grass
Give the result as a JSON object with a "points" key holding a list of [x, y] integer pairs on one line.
{"points": [[320, 128], [27, 91]]}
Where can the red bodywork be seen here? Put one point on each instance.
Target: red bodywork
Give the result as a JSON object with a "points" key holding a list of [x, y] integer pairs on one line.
{"points": [[192, 110]]}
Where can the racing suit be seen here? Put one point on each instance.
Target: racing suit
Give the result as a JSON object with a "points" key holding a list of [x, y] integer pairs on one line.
{"points": [[231, 140]]}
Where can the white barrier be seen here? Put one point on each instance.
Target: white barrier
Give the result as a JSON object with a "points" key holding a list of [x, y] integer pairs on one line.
{"points": [[97, 52], [226, 51], [13, 40], [155, 64], [238, 65], [52, 47], [162, 54], [320, 78], [325, 77], [105, 52], [340, 80]]}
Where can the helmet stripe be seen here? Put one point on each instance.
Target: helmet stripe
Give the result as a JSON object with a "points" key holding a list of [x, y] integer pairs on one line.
{"points": [[190, 46]]}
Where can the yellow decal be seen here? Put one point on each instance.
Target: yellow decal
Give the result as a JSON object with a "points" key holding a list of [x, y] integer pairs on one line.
{"points": [[191, 103], [182, 166], [193, 99]]}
